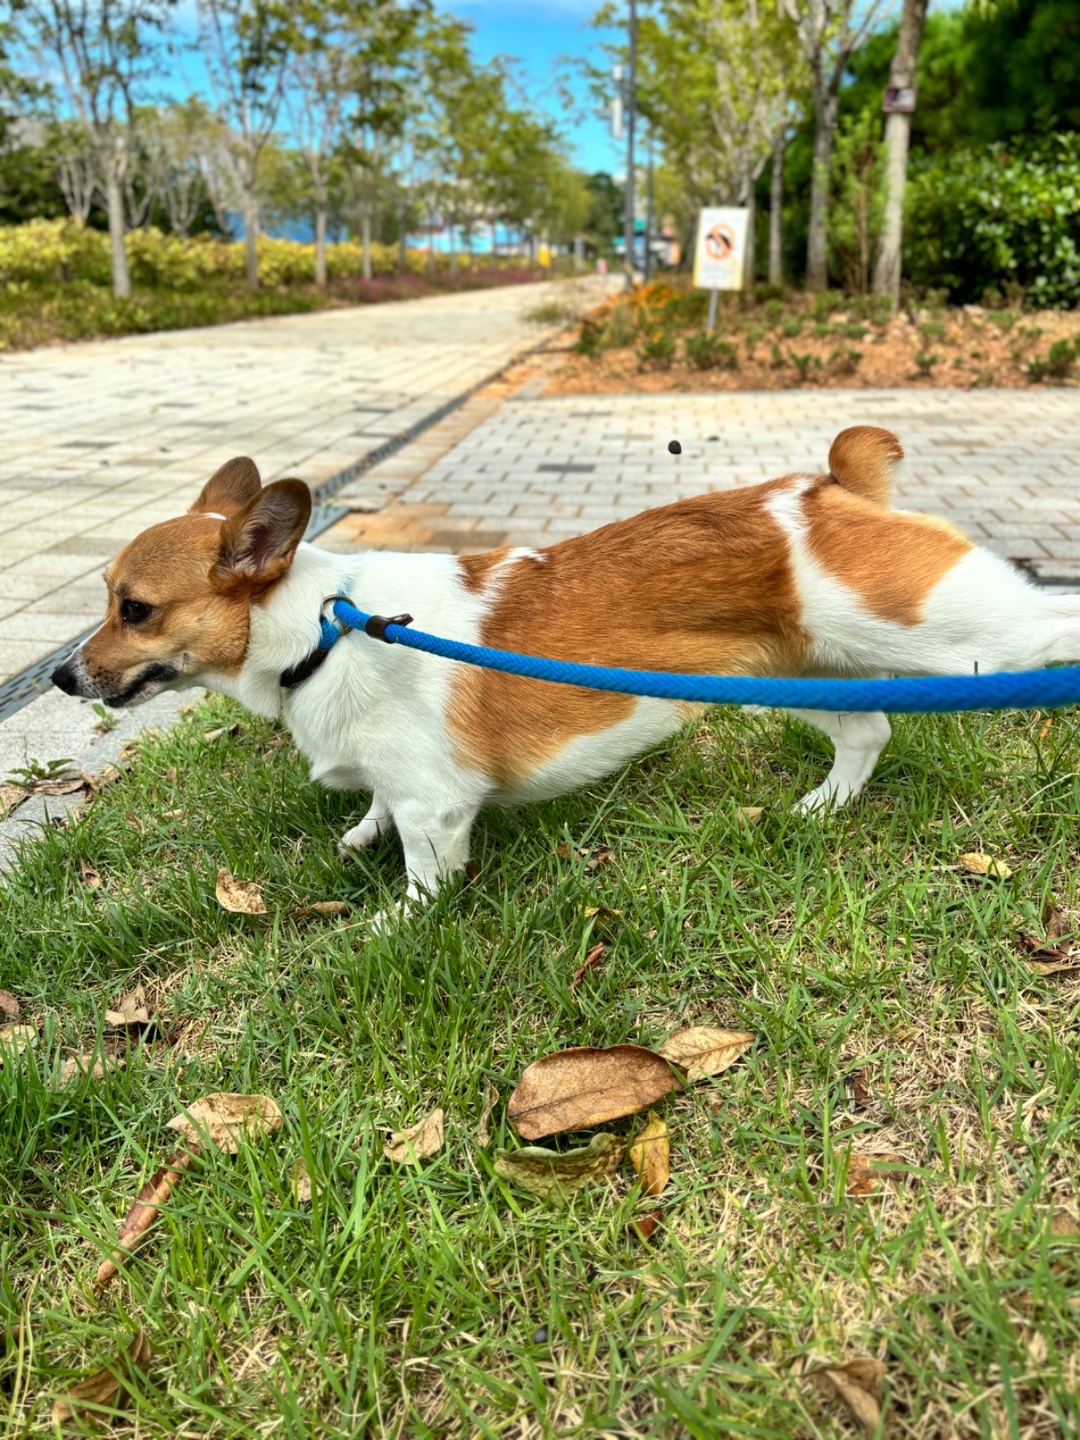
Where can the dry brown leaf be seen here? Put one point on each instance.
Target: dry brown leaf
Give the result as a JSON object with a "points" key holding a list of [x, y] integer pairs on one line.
{"points": [[483, 1130], [867, 1174], [14, 1039], [565, 850], [329, 907], [105, 1390], [599, 858], [643, 1226], [751, 813], [856, 1089], [859, 1383], [578, 1088], [88, 875], [650, 1155], [600, 912], [92, 1065], [60, 785], [1054, 921], [144, 1213], [1062, 1224], [9, 1006], [703, 1050], [1068, 965], [1050, 959], [418, 1142], [976, 863], [591, 959], [226, 1119], [555, 1176], [131, 1009], [241, 896], [10, 796], [301, 1183]]}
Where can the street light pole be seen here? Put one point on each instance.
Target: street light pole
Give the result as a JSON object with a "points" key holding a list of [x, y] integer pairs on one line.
{"points": [[631, 110]]}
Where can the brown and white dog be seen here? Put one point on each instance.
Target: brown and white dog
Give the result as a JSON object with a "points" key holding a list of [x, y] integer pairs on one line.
{"points": [[805, 575]]}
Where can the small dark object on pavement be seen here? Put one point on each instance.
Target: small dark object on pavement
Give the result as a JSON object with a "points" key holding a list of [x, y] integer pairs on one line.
{"points": [[674, 447]]}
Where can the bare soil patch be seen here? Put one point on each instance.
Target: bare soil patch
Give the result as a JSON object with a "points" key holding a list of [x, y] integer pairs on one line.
{"points": [[656, 342]]}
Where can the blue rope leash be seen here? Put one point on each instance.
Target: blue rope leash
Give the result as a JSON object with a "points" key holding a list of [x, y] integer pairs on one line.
{"points": [[1011, 690]]}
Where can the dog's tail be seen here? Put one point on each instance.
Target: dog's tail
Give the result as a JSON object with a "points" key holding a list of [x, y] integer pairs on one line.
{"points": [[862, 460]]}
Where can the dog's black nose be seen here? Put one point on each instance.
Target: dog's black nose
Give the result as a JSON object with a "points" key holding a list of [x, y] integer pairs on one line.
{"points": [[64, 678]]}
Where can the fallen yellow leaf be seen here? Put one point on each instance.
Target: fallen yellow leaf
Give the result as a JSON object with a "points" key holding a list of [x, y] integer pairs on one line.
{"points": [[241, 896], [650, 1155]]}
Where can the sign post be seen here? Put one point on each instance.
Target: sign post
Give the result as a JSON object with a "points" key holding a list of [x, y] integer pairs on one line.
{"points": [[720, 253]]}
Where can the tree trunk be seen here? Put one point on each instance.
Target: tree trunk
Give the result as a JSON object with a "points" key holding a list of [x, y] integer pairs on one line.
{"points": [[251, 231], [897, 137], [320, 240], [751, 225], [402, 240], [431, 248], [365, 238], [114, 201], [817, 265], [495, 243], [776, 209]]}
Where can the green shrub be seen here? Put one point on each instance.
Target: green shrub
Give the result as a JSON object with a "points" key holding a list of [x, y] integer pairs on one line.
{"points": [[709, 352], [657, 350], [997, 219], [1059, 362]]}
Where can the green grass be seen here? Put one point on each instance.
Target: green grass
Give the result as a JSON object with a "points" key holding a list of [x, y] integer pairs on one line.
{"points": [[436, 1301]]}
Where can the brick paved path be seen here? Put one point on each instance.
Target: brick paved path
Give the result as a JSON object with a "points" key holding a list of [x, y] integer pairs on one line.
{"points": [[101, 440], [1002, 464]]}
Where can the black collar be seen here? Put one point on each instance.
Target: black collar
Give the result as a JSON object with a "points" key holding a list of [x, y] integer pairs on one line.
{"points": [[330, 632], [303, 669]]}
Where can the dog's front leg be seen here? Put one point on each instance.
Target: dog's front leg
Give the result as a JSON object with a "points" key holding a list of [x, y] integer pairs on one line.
{"points": [[859, 738], [377, 822]]}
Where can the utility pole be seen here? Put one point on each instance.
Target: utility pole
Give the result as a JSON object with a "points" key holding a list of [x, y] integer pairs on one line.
{"points": [[631, 110], [649, 210]]}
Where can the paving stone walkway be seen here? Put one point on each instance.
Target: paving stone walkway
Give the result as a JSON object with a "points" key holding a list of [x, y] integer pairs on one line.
{"points": [[101, 440], [1001, 464]]}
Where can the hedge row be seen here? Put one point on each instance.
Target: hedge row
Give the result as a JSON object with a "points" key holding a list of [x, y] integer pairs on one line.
{"points": [[54, 251]]}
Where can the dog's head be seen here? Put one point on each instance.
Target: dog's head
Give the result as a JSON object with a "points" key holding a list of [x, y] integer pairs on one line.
{"points": [[180, 594]]}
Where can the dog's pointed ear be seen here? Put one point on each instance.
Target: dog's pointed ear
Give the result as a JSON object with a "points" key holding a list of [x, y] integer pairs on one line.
{"points": [[230, 488], [259, 541]]}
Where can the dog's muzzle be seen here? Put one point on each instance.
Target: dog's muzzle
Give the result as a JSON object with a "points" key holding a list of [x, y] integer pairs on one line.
{"points": [[66, 678], [72, 679]]}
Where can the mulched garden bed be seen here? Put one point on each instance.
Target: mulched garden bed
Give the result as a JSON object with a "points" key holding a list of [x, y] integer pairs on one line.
{"points": [[655, 341]]}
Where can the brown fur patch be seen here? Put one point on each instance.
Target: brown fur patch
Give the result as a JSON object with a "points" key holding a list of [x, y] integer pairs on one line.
{"points": [[169, 567], [862, 460], [476, 570], [704, 585], [891, 561]]}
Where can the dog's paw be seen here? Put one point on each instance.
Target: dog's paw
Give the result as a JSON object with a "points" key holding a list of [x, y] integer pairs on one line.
{"points": [[360, 837], [384, 922], [818, 802]]}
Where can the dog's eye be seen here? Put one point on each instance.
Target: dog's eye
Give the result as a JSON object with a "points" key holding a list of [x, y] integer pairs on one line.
{"points": [[133, 612]]}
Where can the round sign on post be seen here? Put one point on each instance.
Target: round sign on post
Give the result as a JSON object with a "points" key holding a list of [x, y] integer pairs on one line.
{"points": [[720, 254]]}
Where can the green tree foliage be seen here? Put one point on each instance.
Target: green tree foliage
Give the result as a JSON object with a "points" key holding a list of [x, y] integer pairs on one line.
{"points": [[996, 219]]}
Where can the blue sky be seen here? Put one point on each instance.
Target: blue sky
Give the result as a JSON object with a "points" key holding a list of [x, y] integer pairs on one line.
{"points": [[538, 35]]}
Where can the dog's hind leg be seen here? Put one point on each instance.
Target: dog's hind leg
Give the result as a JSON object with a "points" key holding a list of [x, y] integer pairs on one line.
{"points": [[858, 739], [436, 844]]}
